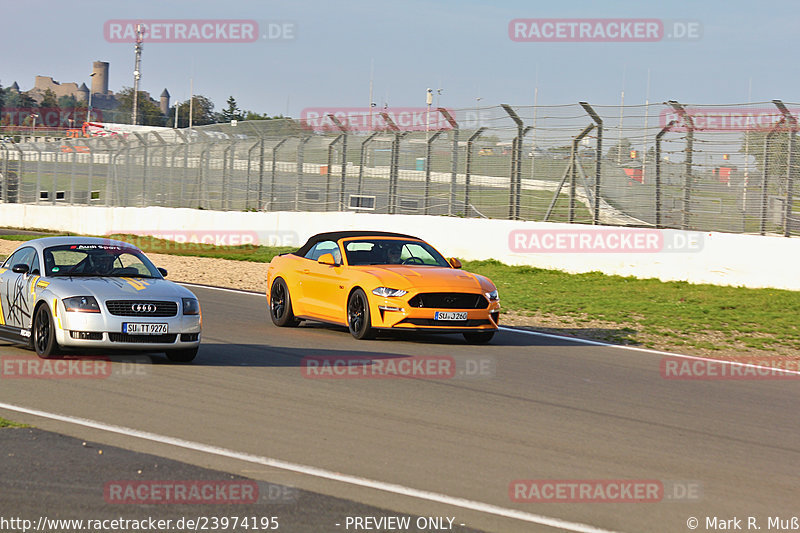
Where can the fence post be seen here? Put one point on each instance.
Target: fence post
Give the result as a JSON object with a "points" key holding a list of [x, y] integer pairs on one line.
{"points": [[329, 170], [249, 164], [659, 135], [4, 172], [300, 163], [343, 136], [515, 193], [597, 158], [362, 158], [394, 162], [144, 167], [428, 151], [791, 122], [687, 182], [574, 171], [274, 169], [468, 168], [765, 174], [454, 172], [185, 145], [6, 197]]}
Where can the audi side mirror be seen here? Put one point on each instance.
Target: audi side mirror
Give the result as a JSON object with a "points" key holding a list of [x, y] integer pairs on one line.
{"points": [[455, 263], [163, 271], [20, 268]]}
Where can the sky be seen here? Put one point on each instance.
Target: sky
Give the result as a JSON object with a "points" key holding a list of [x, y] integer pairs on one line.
{"points": [[462, 47]]}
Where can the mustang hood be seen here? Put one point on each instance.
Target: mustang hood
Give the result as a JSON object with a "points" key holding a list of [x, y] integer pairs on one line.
{"points": [[424, 277]]}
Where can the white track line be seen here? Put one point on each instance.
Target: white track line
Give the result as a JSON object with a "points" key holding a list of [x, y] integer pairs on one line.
{"points": [[651, 351], [317, 472]]}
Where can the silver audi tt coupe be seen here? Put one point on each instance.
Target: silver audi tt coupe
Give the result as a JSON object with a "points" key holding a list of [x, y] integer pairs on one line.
{"points": [[88, 292]]}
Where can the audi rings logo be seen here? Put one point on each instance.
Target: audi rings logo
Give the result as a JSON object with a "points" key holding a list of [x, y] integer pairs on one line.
{"points": [[143, 308]]}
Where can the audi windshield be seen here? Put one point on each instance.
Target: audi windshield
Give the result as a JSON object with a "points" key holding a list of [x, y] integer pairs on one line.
{"points": [[97, 260]]}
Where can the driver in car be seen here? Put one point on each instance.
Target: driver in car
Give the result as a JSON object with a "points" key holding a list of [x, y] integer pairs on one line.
{"points": [[393, 254], [102, 264]]}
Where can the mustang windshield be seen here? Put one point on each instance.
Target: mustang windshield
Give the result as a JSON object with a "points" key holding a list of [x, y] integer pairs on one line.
{"points": [[97, 260], [392, 252]]}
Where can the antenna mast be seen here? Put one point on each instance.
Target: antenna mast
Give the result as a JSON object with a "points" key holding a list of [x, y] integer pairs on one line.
{"points": [[136, 75]]}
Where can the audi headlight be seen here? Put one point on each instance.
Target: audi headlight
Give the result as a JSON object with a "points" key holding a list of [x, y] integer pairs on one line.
{"points": [[81, 304], [386, 292], [492, 296], [191, 306]]}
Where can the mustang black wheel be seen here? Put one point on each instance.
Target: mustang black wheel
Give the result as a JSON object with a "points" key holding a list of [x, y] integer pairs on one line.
{"points": [[44, 333], [479, 337], [280, 305], [182, 356], [358, 319]]}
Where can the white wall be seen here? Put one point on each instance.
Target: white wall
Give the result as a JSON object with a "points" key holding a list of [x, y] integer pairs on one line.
{"points": [[718, 258]]}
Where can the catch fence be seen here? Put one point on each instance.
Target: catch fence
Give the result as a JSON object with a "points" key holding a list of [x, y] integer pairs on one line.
{"points": [[728, 168]]}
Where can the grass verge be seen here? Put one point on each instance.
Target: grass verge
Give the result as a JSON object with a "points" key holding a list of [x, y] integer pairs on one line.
{"points": [[9, 424]]}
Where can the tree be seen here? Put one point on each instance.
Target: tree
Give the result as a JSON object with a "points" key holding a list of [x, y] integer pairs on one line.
{"points": [[232, 112], [49, 99], [202, 112], [252, 115], [67, 101], [2, 96], [620, 151], [149, 113], [17, 99]]}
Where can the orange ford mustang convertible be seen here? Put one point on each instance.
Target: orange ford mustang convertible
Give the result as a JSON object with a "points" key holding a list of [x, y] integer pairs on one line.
{"points": [[373, 281]]}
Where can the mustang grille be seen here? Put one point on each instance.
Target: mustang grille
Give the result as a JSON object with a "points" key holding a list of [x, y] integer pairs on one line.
{"points": [[149, 308], [144, 339], [449, 300]]}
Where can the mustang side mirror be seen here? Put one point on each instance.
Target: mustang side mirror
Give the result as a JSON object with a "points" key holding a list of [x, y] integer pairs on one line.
{"points": [[20, 268], [326, 259], [455, 263], [163, 271]]}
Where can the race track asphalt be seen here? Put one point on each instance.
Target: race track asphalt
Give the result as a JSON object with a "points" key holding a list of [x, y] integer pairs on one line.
{"points": [[524, 407]]}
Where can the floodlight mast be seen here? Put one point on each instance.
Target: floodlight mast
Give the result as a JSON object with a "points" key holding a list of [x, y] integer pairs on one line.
{"points": [[136, 75]]}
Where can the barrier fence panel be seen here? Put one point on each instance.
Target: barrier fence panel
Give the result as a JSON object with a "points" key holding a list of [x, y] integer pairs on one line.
{"points": [[729, 168]]}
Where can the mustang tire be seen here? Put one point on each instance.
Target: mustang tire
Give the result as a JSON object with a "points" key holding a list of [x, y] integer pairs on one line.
{"points": [[280, 305], [358, 319], [43, 335]]}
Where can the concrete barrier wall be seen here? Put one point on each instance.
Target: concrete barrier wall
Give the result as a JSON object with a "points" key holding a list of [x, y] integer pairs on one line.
{"points": [[696, 257]]}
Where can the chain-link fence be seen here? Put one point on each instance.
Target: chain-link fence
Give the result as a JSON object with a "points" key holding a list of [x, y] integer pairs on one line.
{"points": [[721, 168]]}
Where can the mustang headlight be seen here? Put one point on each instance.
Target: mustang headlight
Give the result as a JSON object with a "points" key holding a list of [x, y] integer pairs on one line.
{"points": [[191, 306], [492, 296], [386, 292], [81, 304]]}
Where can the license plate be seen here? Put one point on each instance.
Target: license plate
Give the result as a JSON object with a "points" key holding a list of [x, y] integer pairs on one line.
{"points": [[139, 328], [450, 315]]}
